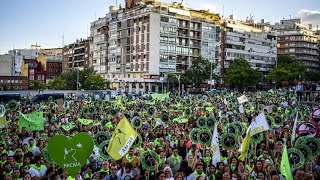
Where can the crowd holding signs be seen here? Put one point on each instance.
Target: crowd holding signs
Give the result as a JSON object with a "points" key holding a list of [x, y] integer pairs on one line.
{"points": [[230, 135]]}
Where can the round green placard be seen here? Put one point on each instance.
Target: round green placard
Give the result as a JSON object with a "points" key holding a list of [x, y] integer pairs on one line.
{"points": [[194, 135], [100, 137], [296, 158], [201, 122], [103, 150], [229, 141], [136, 122], [148, 159]]}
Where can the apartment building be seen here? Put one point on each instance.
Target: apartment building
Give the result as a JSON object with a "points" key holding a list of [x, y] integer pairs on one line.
{"points": [[254, 42], [6, 65], [298, 40], [76, 55], [19, 54], [13, 83], [134, 46]]}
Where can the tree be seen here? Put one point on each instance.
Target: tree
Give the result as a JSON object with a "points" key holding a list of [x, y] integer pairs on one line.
{"points": [[94, 82], [240, 74], [58, 83], [83, 79], [288, 69], [200, 71], [38, 85]]}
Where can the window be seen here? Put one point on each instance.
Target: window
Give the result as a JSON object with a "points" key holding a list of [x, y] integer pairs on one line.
{"points": [[50, 64]]}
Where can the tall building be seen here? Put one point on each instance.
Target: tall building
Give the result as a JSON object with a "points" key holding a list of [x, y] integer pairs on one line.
{"points": [[19, 54], [6, 65], [254, 42], [76, 55], [298, 40], [136, 45]]}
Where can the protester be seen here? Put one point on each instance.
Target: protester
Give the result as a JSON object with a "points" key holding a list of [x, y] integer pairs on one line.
{"points": [[167, 133]]}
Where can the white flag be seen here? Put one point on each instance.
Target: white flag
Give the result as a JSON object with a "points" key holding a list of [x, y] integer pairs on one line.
{"points": [[241, 108], [215, 146], [242, 99], [225, 101], [293, 135], [259, 124]]}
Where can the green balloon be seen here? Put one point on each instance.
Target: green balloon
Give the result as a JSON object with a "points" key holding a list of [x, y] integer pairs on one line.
{"points": [[70, 154]]}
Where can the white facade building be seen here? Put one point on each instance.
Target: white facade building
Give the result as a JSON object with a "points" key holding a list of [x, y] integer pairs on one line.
{"points": [[254, 43]]}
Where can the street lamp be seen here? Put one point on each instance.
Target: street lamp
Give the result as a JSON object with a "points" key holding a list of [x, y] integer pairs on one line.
{"points": [[162, 79]]}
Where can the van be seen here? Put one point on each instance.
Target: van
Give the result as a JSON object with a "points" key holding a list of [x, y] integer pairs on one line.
{"points": [[4, 98], [47, 97]]}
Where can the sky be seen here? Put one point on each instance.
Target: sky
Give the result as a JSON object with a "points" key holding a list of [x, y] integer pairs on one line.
{"points": [[46, 22]]}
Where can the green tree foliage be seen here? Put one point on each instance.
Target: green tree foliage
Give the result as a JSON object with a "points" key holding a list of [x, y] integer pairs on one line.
{"points": [[87, 79], [240, 74], [38, 85], [288, 69], [199, 72], [57, 84]]}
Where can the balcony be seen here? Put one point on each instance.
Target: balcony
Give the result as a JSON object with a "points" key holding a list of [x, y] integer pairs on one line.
{"points": [[184, 26], [195, 37], [182, 35], [195, 46], [183, 44]]}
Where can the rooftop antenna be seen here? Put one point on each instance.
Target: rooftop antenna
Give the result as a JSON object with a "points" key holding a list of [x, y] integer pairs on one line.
{"points": [[223, 10], [62, 39]]}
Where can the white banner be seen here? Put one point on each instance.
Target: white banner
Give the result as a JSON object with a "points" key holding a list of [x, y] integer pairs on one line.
{"points": [[242, 99], [259, 124]]}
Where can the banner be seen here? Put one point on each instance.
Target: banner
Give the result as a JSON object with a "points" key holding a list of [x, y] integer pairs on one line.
{"points": [[160, 96], [259, 124], [122, 139], [32, 122], [242, 99], [215, 146]]}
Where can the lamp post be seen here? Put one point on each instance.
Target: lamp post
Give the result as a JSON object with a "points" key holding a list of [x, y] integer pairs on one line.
{"points": [[162, 79]]}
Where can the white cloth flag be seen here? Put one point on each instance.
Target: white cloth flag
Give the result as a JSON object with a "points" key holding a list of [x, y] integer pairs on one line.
{"points": [[259, 124], [215, 146], [293, 135], [241, 108], [225, 101], [242, 99]]}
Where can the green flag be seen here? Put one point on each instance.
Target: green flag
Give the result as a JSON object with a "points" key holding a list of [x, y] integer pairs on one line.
{"points": [[68, 127], [32, 122], [180, 119], [285, 165], [108, 125], [85, 121]]}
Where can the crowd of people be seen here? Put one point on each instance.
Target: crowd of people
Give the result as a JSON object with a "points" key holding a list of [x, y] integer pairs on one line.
{"points": [[179, 156]]}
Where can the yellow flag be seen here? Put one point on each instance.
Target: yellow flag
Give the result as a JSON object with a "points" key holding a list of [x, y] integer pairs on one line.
{"points": [[119, 100], [3, 122], [122, 139], [245, 146]]}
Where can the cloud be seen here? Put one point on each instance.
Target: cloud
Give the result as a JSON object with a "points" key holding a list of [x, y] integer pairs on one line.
{"points": [[310, 17]]}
